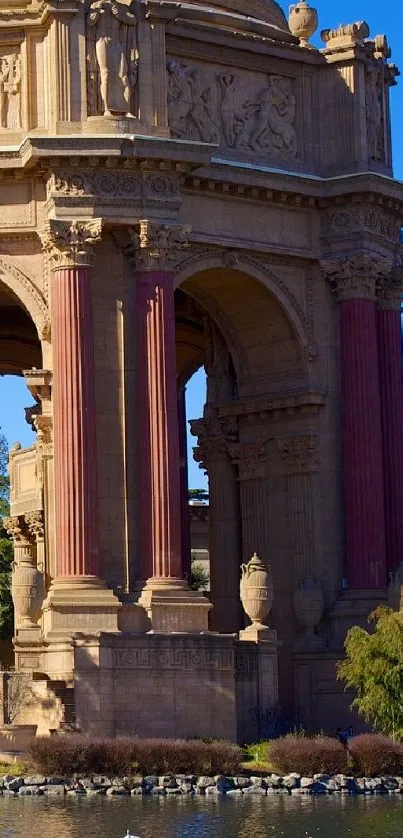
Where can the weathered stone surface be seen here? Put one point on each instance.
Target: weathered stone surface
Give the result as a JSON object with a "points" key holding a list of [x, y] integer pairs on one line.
{"points": [[55, 789], [29, 791], [35, 780]]}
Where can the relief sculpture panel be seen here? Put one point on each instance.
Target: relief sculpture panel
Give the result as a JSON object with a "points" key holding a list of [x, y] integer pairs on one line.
{"points": [[245, 112]]}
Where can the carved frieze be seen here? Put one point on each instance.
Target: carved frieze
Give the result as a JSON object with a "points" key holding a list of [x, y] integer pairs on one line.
{"points": [[155, 246], [357, 276], [298, 453], [112, 59], [349, 220], [111, 186], [170, 658], [70, 243], [238, 112]]}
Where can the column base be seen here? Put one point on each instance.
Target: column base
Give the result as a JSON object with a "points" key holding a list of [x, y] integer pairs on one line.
{"points": [[172, 607], [79, 604], [351, 609]]}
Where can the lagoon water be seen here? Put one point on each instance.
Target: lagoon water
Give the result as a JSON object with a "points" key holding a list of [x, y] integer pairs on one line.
{"points": [[201, 817]]}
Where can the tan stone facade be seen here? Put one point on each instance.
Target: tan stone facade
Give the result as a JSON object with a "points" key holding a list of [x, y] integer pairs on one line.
{"points": [[197, 171]]}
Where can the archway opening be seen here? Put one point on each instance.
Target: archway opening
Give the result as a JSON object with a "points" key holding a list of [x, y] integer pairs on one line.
{"points": [[251, 341], [206, 379], [20, 350]]}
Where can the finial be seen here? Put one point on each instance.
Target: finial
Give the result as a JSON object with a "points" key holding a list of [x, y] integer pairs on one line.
{"points": [[303, 22]]}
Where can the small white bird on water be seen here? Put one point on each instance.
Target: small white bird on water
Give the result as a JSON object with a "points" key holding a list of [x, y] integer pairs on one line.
{"points": [[128, 835]]}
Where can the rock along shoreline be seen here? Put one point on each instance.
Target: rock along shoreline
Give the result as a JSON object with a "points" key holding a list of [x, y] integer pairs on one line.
{"points": [[190, 784]]}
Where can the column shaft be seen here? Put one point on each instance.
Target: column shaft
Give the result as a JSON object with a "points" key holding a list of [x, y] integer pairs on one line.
{"points": [[391, 390], [160, 502], [74, 424], [362, 446]]}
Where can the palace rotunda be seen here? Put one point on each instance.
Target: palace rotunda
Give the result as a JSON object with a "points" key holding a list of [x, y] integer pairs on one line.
{"points": [[188, 184]]}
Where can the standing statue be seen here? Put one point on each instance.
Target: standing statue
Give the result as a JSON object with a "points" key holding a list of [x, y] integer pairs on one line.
{"points": [[10, 92], [112, 57]]}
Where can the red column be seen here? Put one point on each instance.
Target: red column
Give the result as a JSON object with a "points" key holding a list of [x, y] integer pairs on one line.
{"points": [[74, 416], [157, 405], [391, 390], [355, 280], [160, 501]]}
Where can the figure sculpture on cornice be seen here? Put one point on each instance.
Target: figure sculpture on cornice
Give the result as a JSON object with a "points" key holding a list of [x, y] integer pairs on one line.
{"points": [[112, 57], [10, 84]]}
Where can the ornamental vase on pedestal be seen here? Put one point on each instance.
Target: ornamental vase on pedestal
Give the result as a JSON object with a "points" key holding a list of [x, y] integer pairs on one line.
{"points": [[309, 606], [27, 591], [256, 590], [303, 21]]}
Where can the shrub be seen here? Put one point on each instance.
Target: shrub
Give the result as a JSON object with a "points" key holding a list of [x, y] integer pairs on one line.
{"points": [[373, 755], [67, 755], [307, 755]]}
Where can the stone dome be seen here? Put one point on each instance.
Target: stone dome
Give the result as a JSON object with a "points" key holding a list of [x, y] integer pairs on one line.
{"points": [[267, 10]]}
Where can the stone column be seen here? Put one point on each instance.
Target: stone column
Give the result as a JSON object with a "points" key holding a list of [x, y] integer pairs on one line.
{"points": [[170, 605], [77, 587], [355, 280], [214, 436], [391, 390]]}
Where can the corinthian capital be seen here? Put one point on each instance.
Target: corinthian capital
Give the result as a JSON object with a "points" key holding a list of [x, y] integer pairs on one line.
{"points": [[70, 243], [155, 246], [356, 276], [391, 291]]}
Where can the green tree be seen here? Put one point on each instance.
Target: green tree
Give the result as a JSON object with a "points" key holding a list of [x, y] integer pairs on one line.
{"points": [[374, 668], [198, 494], [6, 548], [199, 577]]}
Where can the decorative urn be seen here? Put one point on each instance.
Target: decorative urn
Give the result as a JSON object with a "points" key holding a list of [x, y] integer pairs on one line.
{"points": [[309, 605], [303, 22], [256, 590], [27, 591]]}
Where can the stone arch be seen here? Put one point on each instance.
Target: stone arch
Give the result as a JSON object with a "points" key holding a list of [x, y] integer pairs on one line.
{"points": [[24, 288], [254, 267]]}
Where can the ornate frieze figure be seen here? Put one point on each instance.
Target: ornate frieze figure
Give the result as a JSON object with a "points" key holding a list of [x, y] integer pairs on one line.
{"points": [[112, 57]]}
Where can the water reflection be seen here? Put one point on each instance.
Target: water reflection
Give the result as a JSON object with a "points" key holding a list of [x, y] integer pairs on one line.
{"points": [[271, 817]]}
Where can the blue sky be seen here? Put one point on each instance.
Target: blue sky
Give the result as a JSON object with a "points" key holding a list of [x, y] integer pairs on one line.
{"points": [[383, 18]]}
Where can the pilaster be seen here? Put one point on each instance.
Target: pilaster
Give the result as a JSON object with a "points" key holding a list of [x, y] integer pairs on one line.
{"points": [[214, 439]]}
